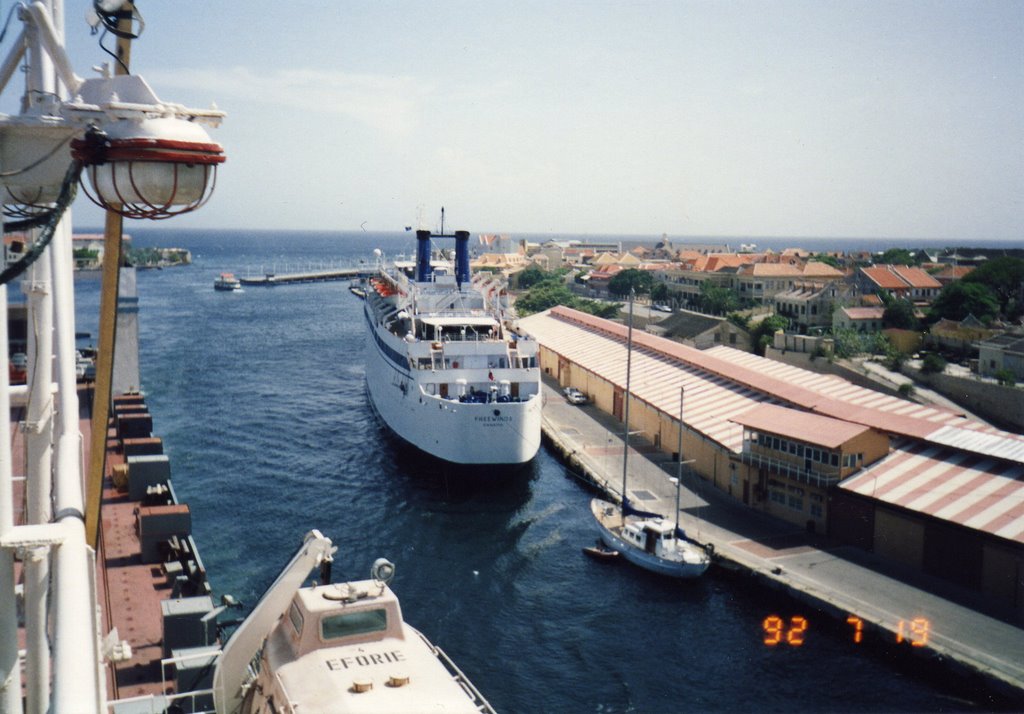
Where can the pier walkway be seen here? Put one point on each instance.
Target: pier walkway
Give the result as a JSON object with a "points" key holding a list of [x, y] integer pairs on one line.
{"points": [[316, 276], [840, 580]]}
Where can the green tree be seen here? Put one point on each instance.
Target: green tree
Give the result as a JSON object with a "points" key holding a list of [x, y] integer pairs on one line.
{"points": [[900, 314], [896, 256], [660, 293], [960, 299], [1006, 378], [827, 259], [597, 307], [764, 332], [932, 363], [543, 296], [1003, 276], [529, 276], [716, 299], [738, 319], [850, 343], [631, 279]]}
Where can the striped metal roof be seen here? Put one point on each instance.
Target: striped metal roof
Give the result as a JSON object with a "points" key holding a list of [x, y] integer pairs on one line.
{"points": [[711, 400], [937, 425], [800, 425], [766, 380], [953, 468], [975, 491]]}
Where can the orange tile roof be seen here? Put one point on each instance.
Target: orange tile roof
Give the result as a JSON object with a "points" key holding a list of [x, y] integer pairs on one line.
{"points": [[881, 276], [864, 313], [771, 270], [954, 271], [801, 426], [915, 277], [817, 269]]}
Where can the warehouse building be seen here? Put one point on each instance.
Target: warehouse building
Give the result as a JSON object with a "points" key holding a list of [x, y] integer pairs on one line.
{"points": [[919, 485]]}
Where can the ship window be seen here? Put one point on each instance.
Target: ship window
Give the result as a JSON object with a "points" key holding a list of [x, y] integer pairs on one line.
{"points": [[353, 623], [296, 618]]}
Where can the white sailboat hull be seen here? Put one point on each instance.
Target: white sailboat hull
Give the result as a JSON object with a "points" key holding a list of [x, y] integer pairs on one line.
{"points": [[689, 562]]}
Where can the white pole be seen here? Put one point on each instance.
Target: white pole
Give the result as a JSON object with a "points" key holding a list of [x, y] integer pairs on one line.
{"points": [[38, 427], [679, 471], [68, 474], [10, 668], [76, 656], [77, 687], [38, 484], [625, 433]]}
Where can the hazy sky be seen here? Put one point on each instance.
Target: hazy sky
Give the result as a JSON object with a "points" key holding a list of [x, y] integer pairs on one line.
{"points": [[854, 118]]}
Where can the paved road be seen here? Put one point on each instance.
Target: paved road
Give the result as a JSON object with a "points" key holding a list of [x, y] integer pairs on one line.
{"points": [[838, 578]]}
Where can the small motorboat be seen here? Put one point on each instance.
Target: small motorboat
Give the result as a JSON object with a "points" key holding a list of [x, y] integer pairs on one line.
{"points": [[227, 281], [601, 552]]}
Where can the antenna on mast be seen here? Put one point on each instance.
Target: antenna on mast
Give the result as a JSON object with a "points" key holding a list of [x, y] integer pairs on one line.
{"points": [[442, 220]]}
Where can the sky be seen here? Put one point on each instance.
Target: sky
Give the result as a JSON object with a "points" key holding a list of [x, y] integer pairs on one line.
{"points": [[725, 118]]}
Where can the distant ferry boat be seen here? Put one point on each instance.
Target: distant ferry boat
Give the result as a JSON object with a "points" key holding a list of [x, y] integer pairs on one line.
{"points": [[227, 281], [444, 370]]}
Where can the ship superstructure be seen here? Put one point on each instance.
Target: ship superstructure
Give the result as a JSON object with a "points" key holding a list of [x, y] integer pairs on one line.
{"points": [[445, 370]]}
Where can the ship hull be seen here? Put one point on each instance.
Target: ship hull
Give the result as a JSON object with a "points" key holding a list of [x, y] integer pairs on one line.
{"points": [[488, 433]]}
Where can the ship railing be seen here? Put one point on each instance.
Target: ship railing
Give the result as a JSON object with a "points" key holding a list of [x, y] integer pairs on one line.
{"points": [[479, 700], [163, 703], [791, 470], [198, 701]]}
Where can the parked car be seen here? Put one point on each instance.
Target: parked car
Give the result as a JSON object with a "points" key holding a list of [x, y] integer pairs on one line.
{"points": [[662, 308], [574, 396]]}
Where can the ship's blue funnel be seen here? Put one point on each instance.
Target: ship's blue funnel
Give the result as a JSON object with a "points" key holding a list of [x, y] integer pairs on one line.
{"points": [[423, 269], [461, 257]]}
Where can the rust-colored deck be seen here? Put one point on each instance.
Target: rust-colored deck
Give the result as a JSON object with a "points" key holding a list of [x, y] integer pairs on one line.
{"points": [[129, 591]]}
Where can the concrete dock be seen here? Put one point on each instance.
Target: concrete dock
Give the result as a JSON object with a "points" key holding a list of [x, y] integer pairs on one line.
{"points": [[316, 276], [932, 617]]}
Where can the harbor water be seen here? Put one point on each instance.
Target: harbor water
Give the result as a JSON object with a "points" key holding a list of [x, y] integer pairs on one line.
{"points": [[260, 399]]}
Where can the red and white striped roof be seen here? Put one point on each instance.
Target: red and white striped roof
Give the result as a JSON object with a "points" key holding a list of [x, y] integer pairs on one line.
{"points": [[954, 469], [710, 400], [969, 489]]}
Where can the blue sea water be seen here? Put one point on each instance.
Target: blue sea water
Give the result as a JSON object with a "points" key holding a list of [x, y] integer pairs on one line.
{"points": [[259, 397]]}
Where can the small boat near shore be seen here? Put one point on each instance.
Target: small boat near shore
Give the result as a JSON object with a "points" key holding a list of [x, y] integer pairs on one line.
{"points": [[227, 282], [649, 541], [601, 552]]}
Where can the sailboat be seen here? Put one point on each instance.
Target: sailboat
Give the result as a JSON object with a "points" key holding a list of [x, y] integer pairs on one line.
{"points": [[643, 538]]}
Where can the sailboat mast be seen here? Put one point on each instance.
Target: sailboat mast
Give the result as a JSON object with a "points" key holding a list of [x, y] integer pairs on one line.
{"points": [[625, 435], [679, 471]]}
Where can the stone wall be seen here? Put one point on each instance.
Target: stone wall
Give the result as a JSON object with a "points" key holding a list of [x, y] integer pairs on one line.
{"points": [[823, 366], [1003, 406]]}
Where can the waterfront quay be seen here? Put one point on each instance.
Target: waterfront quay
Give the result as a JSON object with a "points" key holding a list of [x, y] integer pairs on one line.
{"points": [[877, 599], [316, 276]]}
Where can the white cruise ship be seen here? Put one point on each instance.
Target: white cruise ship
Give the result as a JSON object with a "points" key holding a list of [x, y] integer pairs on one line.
{"points": [[444, 370]]}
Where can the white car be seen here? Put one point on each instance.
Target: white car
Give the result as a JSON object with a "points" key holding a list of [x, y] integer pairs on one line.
{"points": [[662, 308], [575, 396]]}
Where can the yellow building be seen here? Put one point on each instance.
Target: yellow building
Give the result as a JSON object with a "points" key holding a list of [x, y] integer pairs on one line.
{"points": [[916, 484]]}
